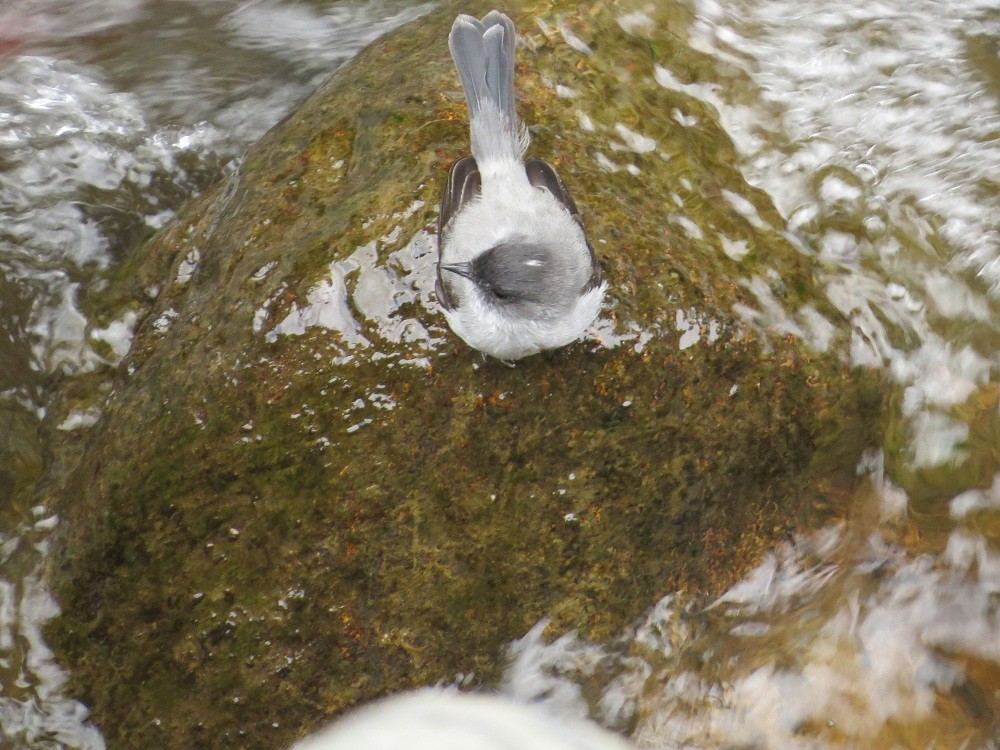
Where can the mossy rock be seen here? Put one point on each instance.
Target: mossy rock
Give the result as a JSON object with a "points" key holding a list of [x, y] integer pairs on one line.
{"points": [[290, 508]]}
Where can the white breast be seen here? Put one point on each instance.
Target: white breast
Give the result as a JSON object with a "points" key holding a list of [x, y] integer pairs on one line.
{"points": [[483, 327]]}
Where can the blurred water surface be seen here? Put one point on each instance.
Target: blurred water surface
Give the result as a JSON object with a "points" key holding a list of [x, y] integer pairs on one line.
{"points": [[873, 129]]}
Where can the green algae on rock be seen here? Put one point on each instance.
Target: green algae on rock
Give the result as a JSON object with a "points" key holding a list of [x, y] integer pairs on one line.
{"points": [[20, 453], [305, 493]]}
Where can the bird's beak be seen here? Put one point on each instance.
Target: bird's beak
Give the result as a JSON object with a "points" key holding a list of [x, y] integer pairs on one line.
{"points": [[462, 269]]}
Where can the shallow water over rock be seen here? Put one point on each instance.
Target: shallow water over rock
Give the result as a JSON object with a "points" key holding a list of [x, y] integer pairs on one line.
{"points": [[870, 130]]}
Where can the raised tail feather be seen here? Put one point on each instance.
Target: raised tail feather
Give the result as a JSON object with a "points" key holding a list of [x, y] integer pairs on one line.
{"points": [[483, 52]]}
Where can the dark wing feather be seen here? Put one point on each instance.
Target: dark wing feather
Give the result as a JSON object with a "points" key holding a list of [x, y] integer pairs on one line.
{"points": [[464, 184], [542, 174]]}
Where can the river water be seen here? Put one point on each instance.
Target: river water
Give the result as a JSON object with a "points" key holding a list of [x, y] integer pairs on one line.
{"points": [[874, 129]]}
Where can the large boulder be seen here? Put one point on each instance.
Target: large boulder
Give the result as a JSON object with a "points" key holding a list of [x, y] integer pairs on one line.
{"points": [[305, 492]]}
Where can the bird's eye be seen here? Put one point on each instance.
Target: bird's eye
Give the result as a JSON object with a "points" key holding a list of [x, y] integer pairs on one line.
{"points": [[500, 295]]}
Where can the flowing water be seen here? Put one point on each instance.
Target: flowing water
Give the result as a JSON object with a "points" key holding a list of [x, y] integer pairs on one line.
{"points": [[874, 128]]}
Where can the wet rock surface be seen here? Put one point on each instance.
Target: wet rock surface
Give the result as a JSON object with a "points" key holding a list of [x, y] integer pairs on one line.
{"points": [[19, 449], [305, 492]]}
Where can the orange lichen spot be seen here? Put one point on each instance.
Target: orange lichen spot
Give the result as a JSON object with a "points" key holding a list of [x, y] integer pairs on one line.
{"points": [[354, 633]]}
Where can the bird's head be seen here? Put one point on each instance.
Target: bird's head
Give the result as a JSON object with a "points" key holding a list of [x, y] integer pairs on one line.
{"points": [[521, 274]]}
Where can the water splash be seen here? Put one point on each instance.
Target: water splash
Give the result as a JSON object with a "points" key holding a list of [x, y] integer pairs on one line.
{"points": [[834, 640], [82, 167], [34, 712]]}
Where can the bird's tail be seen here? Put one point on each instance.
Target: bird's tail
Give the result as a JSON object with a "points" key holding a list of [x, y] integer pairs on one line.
{"points": [[484, 55]]}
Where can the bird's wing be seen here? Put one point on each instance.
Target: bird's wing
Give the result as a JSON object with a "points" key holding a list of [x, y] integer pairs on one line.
{"points": [[541, 174], [464, 184]]}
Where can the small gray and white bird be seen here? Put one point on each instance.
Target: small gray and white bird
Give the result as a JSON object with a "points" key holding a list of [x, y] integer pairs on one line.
{"points": [[515, 273]]}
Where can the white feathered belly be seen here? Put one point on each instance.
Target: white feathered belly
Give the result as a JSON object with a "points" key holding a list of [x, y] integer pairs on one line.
{"points": [[486, 329]]}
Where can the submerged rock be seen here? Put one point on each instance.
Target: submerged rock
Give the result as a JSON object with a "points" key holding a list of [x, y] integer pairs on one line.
{"points": [[305, 492]]}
